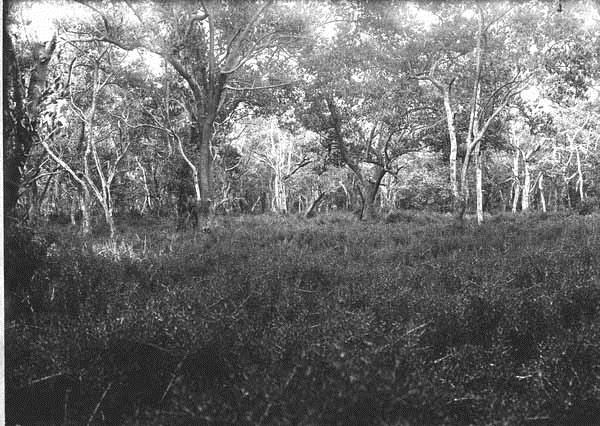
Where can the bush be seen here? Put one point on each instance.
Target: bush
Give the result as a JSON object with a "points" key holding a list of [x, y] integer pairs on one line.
{"points": [[25, 258], [588, 206]]}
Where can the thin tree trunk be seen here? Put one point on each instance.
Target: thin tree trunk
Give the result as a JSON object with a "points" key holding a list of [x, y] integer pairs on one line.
{"points": [[73, 209], [108, 216], [33, 202], [541, 188], [502, 200], [479, 182], [579, 175], [195, 174], [453, 148], [526, 185], [147, 197], [84, 203], [348, 198], [516, 183], [473, 136], [314, 205]]}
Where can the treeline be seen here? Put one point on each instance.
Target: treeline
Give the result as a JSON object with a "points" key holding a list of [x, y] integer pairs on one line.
{"points": [[249, 107]]}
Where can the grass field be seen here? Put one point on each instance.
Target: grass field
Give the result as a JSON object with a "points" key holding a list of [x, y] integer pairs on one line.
{"points": [[272, 320]]}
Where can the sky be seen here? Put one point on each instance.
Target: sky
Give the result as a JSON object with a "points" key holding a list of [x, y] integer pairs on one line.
{"points": [[40, 16]]}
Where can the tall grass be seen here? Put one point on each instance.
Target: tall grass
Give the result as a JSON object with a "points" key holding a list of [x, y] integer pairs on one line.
{"points": [[273, 320]]}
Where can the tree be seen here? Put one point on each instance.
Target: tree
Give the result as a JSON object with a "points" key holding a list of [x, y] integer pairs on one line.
{"points": [[367, 115], [206, 43], [281, 153], [469, 56], [21, 106], [102, 136]]}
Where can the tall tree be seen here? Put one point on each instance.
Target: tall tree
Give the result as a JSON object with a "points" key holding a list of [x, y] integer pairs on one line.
{"points": [[207, 44], [21, 105]]}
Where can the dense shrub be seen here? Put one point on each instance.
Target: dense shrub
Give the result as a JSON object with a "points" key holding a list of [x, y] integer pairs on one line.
{"points": [[24, 261], [589, 205]]}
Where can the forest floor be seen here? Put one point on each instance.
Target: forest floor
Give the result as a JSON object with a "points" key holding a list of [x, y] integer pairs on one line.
{"points": [[272, 320]]}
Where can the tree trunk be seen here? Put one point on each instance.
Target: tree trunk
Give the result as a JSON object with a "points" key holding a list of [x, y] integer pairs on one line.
{"points": [[20, 121], [17, 139], [369, 191], [314, 204], [204, 162], [147, 197], [516, 183], [108, 216], [348, 197], [101, 193], [193, 168], [453, 149], [479, 183], [473, 133], [541, 188], [502, 200], [368, 212], [579, 175], [464, 186], [526, 185], [84, 203], [32, 212], [73, 210], [279, 193]]}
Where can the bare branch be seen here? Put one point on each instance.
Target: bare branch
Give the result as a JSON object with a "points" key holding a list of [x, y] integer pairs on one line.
{"points": [[236, 42], [341, 143], [272, 86], [135, 12], [304, 162], [102, 15], [60, 161]]}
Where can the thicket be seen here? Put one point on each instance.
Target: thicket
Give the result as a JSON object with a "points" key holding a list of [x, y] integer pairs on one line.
{"points": [[272, 320]]}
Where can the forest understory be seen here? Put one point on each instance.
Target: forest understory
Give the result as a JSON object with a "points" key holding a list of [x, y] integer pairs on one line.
{"points": [[415, 320]]}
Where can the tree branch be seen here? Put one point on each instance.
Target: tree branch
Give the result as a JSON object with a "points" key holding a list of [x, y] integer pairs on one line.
{"points": [[234, 53], [273, 86]]}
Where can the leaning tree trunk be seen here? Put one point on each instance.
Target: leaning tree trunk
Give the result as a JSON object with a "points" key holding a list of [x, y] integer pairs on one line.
{"points": [[314, 204]]}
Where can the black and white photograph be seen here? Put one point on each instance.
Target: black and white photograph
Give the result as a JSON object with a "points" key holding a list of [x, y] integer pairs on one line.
{"points": [[301, 212]]}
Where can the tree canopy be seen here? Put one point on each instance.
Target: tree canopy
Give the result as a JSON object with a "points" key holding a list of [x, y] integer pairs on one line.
{"points": [[125, 107]]}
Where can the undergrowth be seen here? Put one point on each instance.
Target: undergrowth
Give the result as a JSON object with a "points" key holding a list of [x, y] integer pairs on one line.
{"points": [[272, 320]]}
